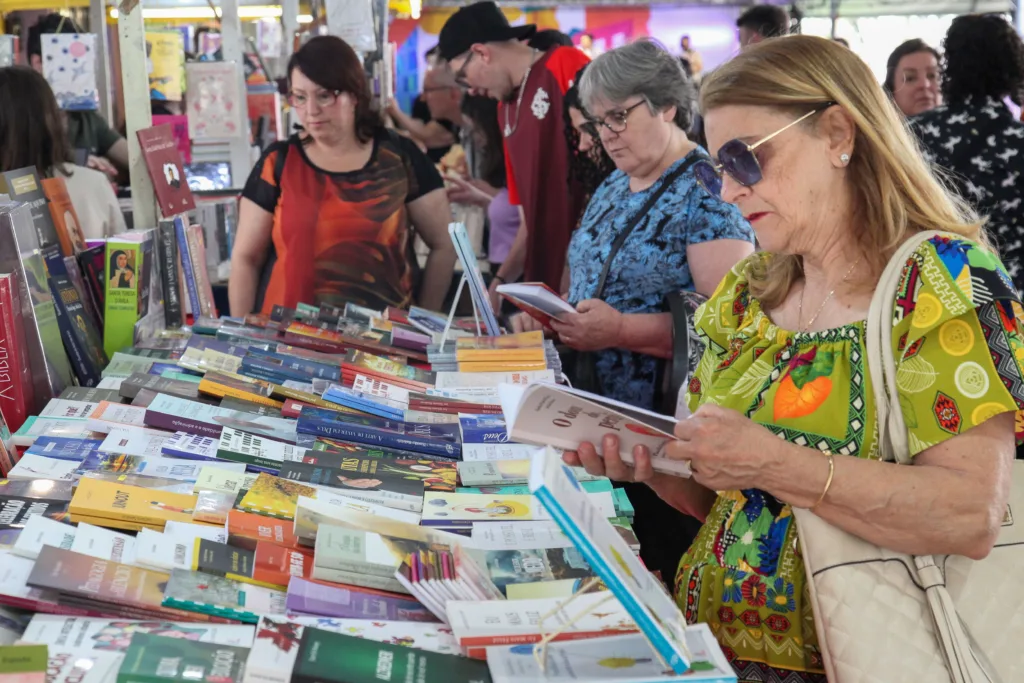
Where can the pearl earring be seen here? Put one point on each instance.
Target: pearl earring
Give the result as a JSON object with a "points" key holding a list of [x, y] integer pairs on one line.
{"points": [[844, 158]]}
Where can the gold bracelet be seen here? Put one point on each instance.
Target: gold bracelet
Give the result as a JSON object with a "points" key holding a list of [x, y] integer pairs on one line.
{"points": [[828, 482]]}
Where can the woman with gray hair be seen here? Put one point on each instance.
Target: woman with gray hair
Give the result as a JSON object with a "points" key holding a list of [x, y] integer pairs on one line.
{"points": [[649, 231]]}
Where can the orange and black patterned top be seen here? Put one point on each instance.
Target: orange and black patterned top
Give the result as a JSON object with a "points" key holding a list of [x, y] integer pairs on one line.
{"points": [[341, 237]]}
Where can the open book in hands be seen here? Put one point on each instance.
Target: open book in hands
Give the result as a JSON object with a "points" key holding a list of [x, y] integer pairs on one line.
{"points": [[548, 414], [537, 300]]}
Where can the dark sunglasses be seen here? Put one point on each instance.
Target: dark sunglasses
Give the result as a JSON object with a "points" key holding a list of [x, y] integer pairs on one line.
{"points": [[738, 160]]}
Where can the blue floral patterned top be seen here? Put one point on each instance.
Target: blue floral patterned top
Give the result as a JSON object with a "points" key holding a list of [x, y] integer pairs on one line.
{"points": [[650, 265]]}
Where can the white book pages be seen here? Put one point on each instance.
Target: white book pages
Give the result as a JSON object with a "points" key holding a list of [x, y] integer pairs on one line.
{"points": [[40, 531], [193, 531], [135, 441], [104, 544], [158, 551], [455, 380], [538, 296], [33, 466]]}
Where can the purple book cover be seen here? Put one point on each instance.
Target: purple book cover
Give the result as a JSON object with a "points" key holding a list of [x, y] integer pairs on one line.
{"points": [[409, 339], [317, 599], [173, 423]]}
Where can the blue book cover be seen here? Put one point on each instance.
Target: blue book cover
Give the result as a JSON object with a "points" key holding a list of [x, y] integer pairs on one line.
{"points": [[483, 429], [264, 374], [309, 368], [374, 405], [645, 598], [434, 439], [60, 448], [160, 368], [291, 370], [191, 286]]}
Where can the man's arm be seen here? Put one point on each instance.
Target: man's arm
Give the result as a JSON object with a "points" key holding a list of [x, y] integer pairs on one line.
{"points": [[432, 134]]}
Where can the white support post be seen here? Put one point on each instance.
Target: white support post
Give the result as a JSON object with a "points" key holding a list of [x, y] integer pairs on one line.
{"points": [[137, 113], [290, 22], [233, 45], [98, 25]]}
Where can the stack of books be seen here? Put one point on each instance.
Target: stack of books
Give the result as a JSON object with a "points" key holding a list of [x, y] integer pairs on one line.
{"points": [[313, 495]]}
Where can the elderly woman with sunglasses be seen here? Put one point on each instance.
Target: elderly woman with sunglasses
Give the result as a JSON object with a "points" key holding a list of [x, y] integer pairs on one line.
{"points": [[816, 156]]}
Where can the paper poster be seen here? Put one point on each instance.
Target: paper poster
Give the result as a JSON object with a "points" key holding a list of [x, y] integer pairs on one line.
{"points": [[352, 21], [7, 50], [215, 103], [165, 62], [69, 65], [269, 37]]}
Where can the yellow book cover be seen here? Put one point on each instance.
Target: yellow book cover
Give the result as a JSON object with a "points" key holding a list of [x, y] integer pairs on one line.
{"points": [[165, 57], [381, 325], [112, 501], [223, 390], [523, 340], [517, 356], [119, 524], [275, 497], [502, 366]]}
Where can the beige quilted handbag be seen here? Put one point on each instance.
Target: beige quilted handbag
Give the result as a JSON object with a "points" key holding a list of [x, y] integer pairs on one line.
{"points": [[888, 617]]}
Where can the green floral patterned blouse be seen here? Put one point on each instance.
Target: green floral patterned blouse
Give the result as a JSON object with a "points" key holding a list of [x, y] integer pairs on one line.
{"points": [[958, 339]]}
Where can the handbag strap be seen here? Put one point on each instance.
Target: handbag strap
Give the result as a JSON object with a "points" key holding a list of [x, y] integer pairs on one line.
{"points": [[893, 441], [692, 158]]}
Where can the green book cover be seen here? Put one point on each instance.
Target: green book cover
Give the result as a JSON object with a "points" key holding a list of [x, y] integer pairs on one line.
{"points": [[221, 597], [24, 659], [121, 282], [162, 659], [181, 376], [326, 657]]}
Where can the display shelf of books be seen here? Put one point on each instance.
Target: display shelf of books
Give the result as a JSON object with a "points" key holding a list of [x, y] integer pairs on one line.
{"points": [[324, 493]]}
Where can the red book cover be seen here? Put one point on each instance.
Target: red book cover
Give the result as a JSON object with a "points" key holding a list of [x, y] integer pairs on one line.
{"points": [[246, 529], [163, 160], [179, 129], [277, 565], [292, 408], [17, 395]]}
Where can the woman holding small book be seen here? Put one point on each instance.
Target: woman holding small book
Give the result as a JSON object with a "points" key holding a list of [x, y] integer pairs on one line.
{"points": [[785, 415], [33, 134], [327, 216]]}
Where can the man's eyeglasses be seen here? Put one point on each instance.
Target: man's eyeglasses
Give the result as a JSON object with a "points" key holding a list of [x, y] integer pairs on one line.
{"points": [[738, 160], [460, 75], [324, 98], [614, 121]]}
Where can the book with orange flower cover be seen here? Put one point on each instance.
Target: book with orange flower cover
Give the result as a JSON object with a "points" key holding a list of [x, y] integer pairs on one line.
{"points": [[65, 218]]}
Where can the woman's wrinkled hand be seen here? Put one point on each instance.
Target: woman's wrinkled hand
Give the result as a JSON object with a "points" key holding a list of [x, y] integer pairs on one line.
{"points": [[594, 326], [726, 450]]}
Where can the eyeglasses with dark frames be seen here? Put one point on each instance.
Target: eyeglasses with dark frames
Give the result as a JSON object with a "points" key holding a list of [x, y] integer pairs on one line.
{"points": [[737, 158], [460, 75], [323, 98], [614, 121]]}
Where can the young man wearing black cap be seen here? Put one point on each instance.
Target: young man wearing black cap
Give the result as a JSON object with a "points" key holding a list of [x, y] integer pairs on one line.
{"points": [[490, 57]]}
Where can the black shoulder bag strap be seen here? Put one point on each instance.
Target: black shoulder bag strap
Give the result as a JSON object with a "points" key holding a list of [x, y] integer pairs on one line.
{"points": [[268, 265], [637, 218]]}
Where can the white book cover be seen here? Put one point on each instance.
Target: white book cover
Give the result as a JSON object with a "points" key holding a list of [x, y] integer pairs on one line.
{"points": [[456, 380], [104, 635], [604, 549], [507, 472], [14, 573], [40, 531], [185, 445], [33, 466], [252, 446], [537, 295], [614, 659], [182, 470], [191, 532], [479, 395], [487, 452], [299, 386], [69, 66], [117, 415], [181, 409], [380, 389], [134, 441], [34, 427], [354, 550], [423, 417], [76, 666], [160, 552], [484, 623], [442, 506], [333, 508], [104, 544], [518, 536], [219, 480], [111, 383], [62, 407], [547, 414]]}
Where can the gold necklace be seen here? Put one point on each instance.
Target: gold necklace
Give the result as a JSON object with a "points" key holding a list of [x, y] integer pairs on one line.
{"points": [[509, 129], [800, 311]]}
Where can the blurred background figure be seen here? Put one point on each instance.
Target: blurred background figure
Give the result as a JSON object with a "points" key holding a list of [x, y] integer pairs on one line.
{"points": [[760, 22], [912, 77], [693, 63], [974, 136], [548, 39], [589, 163], [442, 98], [587, 45]]}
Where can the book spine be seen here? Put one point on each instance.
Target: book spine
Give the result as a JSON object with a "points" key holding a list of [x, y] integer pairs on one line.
{"points": [[271, 372], [169, 276], [384, 583], [268, 465], [16, 390], [197, 255], [88, 376], [367, 435], [212, 610], [186, 263]]}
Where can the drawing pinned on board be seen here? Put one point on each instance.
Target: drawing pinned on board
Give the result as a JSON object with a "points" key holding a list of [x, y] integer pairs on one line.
{"points": [[69, 65], [215, 102]]}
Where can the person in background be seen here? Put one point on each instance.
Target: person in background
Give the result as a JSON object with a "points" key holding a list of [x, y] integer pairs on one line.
{"points": [[442, 97], [808, 146], [693, 63], [587, 45], [490, 189], [912, 77], [32, 134], [326, 217], [108, 151], [589, 162], [974, 136], [641, 102], [549, 39], [419, 107], [761, 22], [488, 56]]}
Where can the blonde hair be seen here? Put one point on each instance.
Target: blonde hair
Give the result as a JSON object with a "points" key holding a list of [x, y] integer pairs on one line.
{"points": [[894, 188]]}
